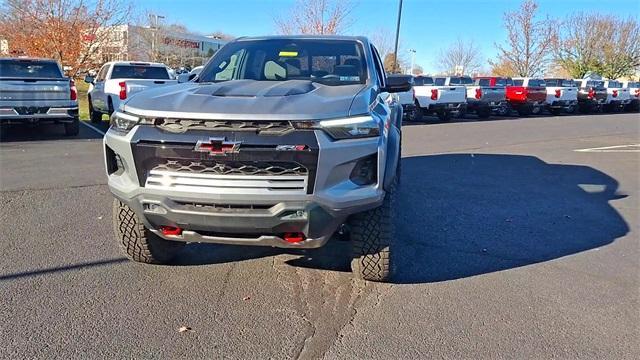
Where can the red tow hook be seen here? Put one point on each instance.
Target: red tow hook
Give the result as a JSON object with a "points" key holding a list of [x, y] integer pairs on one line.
{"points": [[294, 237], [170, 231]]}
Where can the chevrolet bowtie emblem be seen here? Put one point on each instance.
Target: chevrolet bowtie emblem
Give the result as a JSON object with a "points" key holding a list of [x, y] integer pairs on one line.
{"points": [[217, 146]]}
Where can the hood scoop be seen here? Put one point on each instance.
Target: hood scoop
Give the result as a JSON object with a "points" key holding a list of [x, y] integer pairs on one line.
{"points": [[253, 88]]}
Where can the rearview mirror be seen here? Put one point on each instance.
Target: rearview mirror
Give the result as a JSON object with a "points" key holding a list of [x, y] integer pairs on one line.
{"points": [[398, 84], [88, 79]]}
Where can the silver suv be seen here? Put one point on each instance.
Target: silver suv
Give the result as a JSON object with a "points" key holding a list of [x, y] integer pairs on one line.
{"points": [[279, 141]]}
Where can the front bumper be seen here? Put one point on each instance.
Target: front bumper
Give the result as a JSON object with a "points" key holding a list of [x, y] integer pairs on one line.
{"points": [[10, 115], [218, 211]]}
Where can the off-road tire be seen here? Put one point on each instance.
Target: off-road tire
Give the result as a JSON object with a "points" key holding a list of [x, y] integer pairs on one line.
{"points": [[137, 242], [72, 128], [94, 116], [372, 234]]}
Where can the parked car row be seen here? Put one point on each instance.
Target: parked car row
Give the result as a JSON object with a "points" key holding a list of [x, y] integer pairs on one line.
{"points": [[492, 95]]}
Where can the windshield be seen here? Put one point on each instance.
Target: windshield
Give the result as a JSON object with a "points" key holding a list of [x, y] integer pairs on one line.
{"points": [[330, 62], [29, 69], [139, 72]]}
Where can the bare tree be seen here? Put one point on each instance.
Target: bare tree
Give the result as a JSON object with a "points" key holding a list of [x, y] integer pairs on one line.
{"points": [[503, 68], [599, 43], [70, 31], [529, 40], [384, 40], [316, 17], [460, 57]]}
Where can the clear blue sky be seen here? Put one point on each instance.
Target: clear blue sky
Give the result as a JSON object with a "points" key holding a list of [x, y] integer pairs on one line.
{"points": [[427, 25]]}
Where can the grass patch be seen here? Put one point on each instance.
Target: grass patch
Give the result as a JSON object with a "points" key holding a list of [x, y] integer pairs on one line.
{"points": [[83, 102]]}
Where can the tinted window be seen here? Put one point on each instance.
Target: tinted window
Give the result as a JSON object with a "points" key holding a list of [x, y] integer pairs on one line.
{"points": [[439, 81], [568, 83], [595, 83], [614, 84], [483, 82], [139, 72], [423, 81], [504, 82], [454, 81], [331, 62], [29, 69], [553, 82], [379, 67], [518, 82], [465, 80], [536, 82]]}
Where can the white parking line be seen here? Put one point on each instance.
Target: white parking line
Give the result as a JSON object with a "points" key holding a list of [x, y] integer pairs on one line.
{"points": [[616, 148], [92, 128]]}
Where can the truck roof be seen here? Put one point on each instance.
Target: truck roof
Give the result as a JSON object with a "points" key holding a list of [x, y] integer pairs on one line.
{"points": [[27, 59], [139, 63], [312, 37]]}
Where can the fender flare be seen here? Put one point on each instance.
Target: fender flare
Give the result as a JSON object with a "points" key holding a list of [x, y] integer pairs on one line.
{"points": [[393, 156]]}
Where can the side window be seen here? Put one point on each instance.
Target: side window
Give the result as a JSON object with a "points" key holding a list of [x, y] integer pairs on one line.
{"points": [[102, 74], [518, 82], [484, 82], [379, 68], [418, 81], [228, 69]]}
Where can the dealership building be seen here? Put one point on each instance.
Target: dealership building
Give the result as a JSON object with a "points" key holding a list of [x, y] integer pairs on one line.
{"points": [[138, 43]]}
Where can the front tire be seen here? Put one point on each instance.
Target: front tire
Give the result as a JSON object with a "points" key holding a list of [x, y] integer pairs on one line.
{"points": [[372, 233], [137, 242], [94, 116]]}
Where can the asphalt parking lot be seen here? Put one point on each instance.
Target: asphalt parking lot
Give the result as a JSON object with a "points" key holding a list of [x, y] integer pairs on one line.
{"points": [[518, 238]]}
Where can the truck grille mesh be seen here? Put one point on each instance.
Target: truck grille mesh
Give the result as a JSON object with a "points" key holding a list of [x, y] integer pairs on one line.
{"points": [[234, 168], [260, 127]]}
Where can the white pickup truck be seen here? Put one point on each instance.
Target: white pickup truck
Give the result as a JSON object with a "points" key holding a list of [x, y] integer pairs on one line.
{"points": [[436, 96], [633, 87], [562, 95], [617, 96], [117, 81]]}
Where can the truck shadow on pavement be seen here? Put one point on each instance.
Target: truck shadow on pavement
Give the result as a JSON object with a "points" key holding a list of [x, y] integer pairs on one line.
{"points": [[15, 133], [461, 215]]}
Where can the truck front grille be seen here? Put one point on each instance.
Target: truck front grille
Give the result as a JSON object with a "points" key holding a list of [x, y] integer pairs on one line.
{"points": [[214, 183], [233, 168], [259, 127]]}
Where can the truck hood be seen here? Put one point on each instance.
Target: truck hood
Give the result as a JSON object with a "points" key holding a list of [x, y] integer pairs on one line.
{"points": [[249, 99]]}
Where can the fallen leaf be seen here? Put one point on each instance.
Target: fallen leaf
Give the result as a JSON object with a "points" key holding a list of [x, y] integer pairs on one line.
{"points": [[246, 298], [184, 329]]}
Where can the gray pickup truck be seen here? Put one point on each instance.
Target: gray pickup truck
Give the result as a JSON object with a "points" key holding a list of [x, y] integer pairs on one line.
{"points": [[483, 98], [280, 141], [33, 91]]}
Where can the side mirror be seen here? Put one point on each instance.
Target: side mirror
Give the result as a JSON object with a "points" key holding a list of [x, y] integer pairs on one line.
{"points": [[398, 84], [183, 78], [89, 79], [192, 76]]}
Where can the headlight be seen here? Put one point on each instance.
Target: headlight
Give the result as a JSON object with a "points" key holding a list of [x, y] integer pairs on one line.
{"points": [[125, 122], [347, 128]]}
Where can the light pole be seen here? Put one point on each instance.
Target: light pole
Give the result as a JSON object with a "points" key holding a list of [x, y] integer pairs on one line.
{"points": [[154, 28], [413, 60], [395, 52]]}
